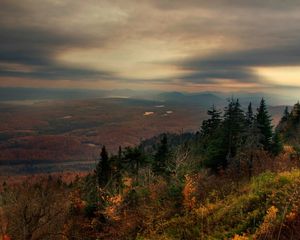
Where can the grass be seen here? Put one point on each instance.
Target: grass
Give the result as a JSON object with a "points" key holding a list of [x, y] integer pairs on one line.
{"points": [[257, 210]]}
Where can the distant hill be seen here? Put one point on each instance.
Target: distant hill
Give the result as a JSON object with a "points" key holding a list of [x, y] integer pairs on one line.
{"points": [[203, 99]]}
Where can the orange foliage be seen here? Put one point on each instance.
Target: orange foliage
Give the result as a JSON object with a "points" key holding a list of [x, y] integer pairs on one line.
{"points": [[189, 193], [238, 237], [269, 221], [112, 210]]}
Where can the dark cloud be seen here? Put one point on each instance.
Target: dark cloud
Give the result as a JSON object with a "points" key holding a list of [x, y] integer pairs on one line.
{"points": [[31, 36], [213, 75], [288, 55], [37, 48], [238, 65], [53, 72], [30, 46]]}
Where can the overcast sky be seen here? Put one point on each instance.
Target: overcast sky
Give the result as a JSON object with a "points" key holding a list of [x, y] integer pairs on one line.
{"points": [[190, 45]]}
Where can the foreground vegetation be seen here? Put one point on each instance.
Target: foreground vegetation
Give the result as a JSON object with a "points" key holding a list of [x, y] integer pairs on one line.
{"points": [[236, 178]]}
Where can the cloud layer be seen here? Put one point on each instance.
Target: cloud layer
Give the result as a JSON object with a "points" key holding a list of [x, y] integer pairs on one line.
{"points": [[194, 45]]}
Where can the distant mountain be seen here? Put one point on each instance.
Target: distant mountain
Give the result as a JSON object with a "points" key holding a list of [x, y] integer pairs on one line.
{"points": [[203, 99]]}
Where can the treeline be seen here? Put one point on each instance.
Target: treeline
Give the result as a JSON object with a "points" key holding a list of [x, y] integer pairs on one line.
{"points": [[221, 139], [132, 163]]}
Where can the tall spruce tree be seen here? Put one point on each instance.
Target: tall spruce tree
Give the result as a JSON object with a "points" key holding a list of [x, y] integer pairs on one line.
{"points": [[286, 114], [119, 168], [263, 121], [214, 151], [284, 122], [159, 165], [135, 158], [220, 146], [250, 146], [211, 140], [277, 145], [249, 115], [289, 126], [295, 114], [234, 126], [103, 170], [212, 123]]}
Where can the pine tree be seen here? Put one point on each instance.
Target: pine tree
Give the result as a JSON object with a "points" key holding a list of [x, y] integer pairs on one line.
{"points": [[135, 159], [249, 115], [212, 123], [283, 123], [159, 166], [103, 170], [277, 145], [296, 113], [220, 147], [263, 121], [286, 115], [234, 126], [119, 168], [120, 153], [214, 151], [250, 146]]}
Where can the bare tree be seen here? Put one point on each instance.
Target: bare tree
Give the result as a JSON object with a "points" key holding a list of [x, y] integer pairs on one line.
{"points": [[35, 210], [180, 161]]}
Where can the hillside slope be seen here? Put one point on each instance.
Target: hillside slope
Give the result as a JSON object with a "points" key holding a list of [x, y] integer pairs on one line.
{"points": [[265, 208]]}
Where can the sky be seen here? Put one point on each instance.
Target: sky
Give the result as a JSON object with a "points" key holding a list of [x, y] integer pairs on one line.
{"points": [[169, 45]]}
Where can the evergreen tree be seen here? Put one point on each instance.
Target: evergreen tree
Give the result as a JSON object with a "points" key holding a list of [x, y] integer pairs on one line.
{"points": [[263, 121], [234, 126], [286, 115], [221, 145], [119, 160], [159, 166], [283, 123], [117, 169], [120, 153], [212, 123], [296, 113], [277, 145], [208, 130], [289, 126], [135, 159], [214, 151], [91, 195], [211, 138], [250, 146], [249, 115], [103, 170]]}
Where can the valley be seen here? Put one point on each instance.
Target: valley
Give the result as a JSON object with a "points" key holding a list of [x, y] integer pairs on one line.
{"points": [[58, 135]]}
